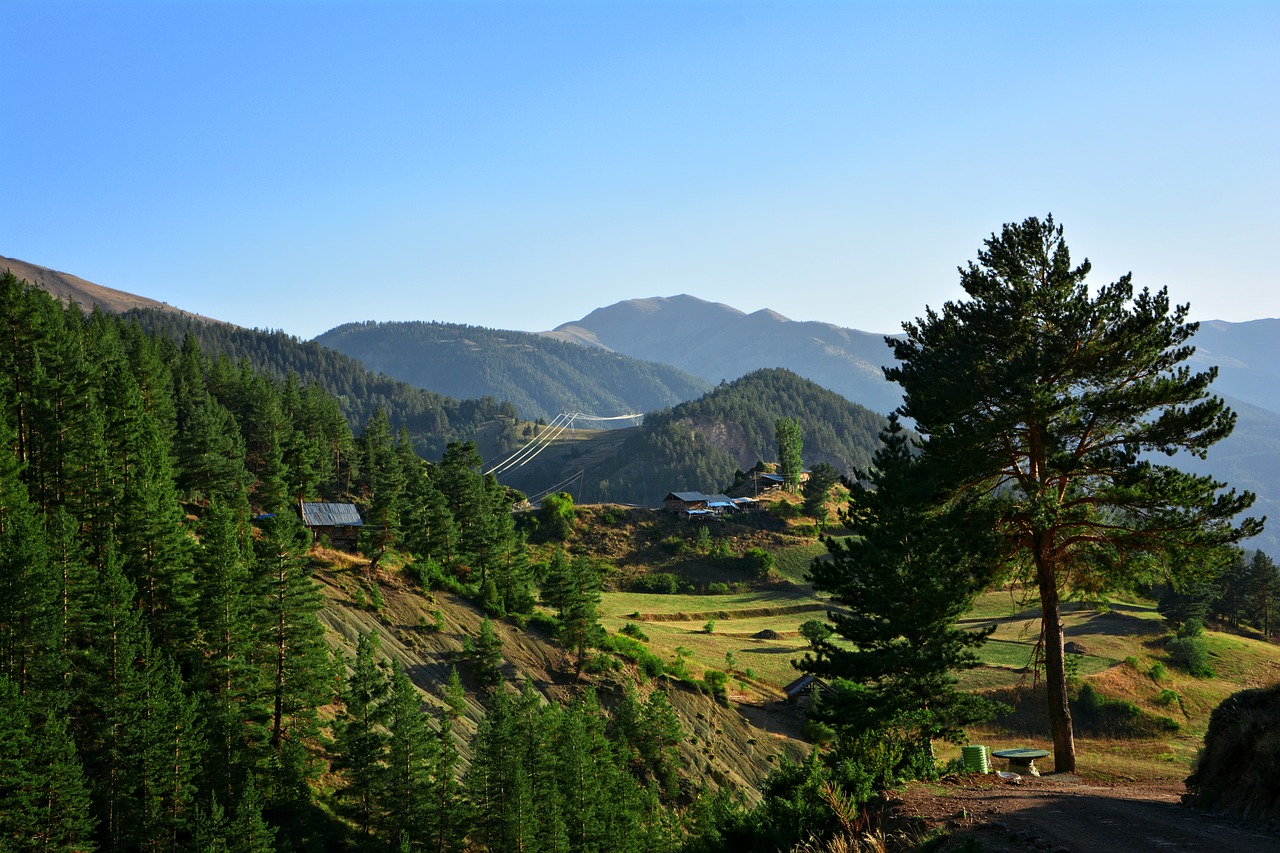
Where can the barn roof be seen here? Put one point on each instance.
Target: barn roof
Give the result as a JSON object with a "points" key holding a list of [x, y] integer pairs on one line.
{"points": [[330, 515], [806, 682], [687, 497]]}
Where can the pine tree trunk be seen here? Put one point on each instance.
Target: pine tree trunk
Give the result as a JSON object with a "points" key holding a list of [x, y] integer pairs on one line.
{"points": [[1064, 747]]}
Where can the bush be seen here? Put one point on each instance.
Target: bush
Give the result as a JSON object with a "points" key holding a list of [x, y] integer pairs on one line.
{"points": [[717, 682], [556, 515], [675, 544], [717, 589], [1191, 655], [631, 629], [1094, 714], [1167, 697], [628, 647], [1238, 770], [1157, 671], [758, 562], [545, 622], [659, 583]]}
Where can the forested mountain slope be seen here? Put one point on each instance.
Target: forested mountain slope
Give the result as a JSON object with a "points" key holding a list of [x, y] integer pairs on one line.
{"points": [[700, 445], [718, 342], [166, 679], [431, 419], [539, 376]]}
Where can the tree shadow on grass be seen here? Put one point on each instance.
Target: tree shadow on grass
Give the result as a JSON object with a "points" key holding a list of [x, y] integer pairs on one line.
{"points": [[1116, 624]]}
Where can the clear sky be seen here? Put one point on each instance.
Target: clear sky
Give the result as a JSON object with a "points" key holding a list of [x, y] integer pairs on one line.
{"points": [[297, 165]]}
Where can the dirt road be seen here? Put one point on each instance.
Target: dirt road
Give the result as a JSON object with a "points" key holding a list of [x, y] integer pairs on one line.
{"points": [[1065, 814]]}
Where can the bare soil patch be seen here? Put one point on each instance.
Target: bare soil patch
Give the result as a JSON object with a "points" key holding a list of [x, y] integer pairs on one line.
{"points": [[1064, 813]]}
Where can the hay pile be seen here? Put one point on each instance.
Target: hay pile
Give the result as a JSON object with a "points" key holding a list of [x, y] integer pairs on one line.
{"points": [[1239, 769]]}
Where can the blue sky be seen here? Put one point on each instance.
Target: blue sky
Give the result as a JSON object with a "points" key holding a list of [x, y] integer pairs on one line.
{"points": [[297, 165]]}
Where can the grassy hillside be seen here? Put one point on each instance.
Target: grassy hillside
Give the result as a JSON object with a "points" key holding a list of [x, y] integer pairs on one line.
{"points": [[754, 635], [425, 634]]}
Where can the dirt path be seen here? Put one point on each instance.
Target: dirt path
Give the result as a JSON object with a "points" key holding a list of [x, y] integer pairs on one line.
{"points": [[1066, 814]]}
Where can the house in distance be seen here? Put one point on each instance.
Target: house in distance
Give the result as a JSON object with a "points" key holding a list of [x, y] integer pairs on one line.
{"points": [[337, 523]]}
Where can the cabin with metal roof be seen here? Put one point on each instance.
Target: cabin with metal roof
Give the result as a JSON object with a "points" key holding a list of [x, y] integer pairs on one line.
{"points": [[338, 523], [803, 688], [684, 501]]}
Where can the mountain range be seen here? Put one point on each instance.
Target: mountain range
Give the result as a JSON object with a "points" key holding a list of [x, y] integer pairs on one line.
{"points": [[665, 350]]}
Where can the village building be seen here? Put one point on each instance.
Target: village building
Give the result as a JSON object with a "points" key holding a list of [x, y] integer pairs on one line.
{"points": [[337, 523]]}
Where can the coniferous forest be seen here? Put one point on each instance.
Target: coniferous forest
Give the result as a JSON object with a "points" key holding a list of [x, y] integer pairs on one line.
{"points": [[162, 666], [165, 683]]}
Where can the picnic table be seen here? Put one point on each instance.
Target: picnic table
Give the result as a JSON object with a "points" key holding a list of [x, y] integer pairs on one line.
{"points": [[1022, 760]]}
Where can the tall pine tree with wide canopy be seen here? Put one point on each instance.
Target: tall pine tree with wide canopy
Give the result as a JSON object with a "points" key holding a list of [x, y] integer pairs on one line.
{"points": [[1054, 403]]}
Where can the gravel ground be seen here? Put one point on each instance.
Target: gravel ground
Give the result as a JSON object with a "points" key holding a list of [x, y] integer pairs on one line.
{"points": [[1062, 813]]}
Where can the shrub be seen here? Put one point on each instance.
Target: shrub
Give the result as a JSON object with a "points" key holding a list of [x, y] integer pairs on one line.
{"points": [[717, 589], [1238, 770], [1092, 713], [545, 622], [1167, 697], [556, 515], [1191, 655], [1191, 629], [675, 544], [758, 562], [660, 583], [631, 629], [710, 627], [1157, 671], [717, 682]]}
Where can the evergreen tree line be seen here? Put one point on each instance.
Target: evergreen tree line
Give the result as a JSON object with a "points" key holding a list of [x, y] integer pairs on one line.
{"points": [[430, 419], [703, 443], [162, 663], [1245, 593], [540, 376], [542, 776]]}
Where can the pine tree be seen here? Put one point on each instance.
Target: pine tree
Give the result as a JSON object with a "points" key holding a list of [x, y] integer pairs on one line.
{"points": [[19, 778], [448, 803], [361, 738], [383, 484], [292, 653], [1051, 397], [61, 800], [231, 681], [28, 592], [1263, 593], [412, 756], [498, 782]]}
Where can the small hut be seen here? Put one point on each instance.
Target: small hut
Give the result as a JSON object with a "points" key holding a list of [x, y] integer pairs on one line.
{"points": [[339, 523]]}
